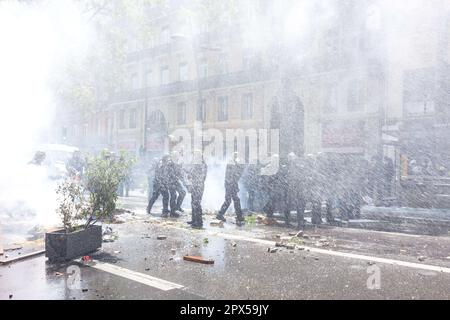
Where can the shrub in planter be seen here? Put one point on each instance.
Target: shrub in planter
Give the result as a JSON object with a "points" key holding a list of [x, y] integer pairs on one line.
{"points": [[74, 239], [80, 235], [104, 174]]}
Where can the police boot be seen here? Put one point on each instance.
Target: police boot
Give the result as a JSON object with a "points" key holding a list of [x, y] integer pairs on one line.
{"points": [[220, 217], [174, 215], [240, 220]]}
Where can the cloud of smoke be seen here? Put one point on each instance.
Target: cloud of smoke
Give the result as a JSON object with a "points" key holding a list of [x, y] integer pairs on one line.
{"points": [[37, 38]]}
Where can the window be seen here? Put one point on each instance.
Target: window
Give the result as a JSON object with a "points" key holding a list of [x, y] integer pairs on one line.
{"points": [[181, 113], [201, 110], [134, 81], [165, 35], [247, 106], [203, 68], [222, 114], [355, 98], [223, 64], [246, 61], [164, 75], [183, 71], [122, 119], [330, 103], [148, 78], [133, 119]]}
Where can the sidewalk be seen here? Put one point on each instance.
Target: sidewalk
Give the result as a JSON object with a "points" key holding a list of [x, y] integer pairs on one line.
{"points": [[389, 219]]}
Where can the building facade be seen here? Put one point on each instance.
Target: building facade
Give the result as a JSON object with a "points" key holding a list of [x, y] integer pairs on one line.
{"points": [[331, 84]]}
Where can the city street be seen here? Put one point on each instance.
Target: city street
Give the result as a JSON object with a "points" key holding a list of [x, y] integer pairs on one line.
{"points": [[325, 263], [221, 150]]}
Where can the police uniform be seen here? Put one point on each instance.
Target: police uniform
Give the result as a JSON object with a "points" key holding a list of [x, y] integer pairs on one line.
{"points": [[196, 179], [232, 175]]}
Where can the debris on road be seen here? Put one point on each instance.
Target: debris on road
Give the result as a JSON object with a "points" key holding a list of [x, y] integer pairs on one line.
{"points": [[117, 252], [59, 274], [266, 221], [173, 251], [161, 237], [234, 244], [198, 259], [109, 235], [299, 234], [272, 250], [250, 219], [422, 258], [216, 223], [86, 259], [84, 290], [205, 240]]}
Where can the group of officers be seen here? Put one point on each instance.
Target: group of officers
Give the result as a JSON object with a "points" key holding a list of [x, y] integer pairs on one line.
{"points": [[319, 183]]}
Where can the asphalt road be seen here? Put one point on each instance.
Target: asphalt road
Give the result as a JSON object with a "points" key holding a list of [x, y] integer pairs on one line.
{"points": [[329, 263]]}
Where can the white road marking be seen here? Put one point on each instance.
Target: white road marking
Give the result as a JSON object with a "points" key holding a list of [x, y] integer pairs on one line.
{"points": [[136, 276], [332, 252], [344, 254]]}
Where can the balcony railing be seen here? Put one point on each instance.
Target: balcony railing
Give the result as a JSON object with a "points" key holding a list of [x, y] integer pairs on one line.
{"points": [[255, 74]]}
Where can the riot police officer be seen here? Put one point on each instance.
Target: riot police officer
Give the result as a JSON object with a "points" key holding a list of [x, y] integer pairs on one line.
{"points": [[233, 173], [196, 177], [295, 194], [274, 185], [251, 184], [176, 191], [312, 180], [160, 186]]}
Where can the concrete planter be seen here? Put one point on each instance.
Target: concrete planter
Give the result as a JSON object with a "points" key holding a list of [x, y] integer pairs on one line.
{"points": [[61, 246]]}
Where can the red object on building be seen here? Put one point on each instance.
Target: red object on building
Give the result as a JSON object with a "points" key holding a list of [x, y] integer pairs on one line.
{"points": [[343, 134]]}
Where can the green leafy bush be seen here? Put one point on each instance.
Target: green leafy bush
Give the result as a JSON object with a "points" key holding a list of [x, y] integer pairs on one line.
{"points": [[103, 176], [71, 203]]}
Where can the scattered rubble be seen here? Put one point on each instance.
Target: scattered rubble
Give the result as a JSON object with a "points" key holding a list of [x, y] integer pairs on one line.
{"points": [[422, 258], [216, 223], [109, 235], [266, 221]]}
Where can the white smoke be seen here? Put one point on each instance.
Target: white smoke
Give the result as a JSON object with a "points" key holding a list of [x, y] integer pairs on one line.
{"points": [[37, 39]]}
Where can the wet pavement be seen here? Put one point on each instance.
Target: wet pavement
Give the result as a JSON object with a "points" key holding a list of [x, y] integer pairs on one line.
{"points": [[324, 263]]}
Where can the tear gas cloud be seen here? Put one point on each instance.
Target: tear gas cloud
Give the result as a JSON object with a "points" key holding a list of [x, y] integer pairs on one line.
{"points": [[37, 39]]}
